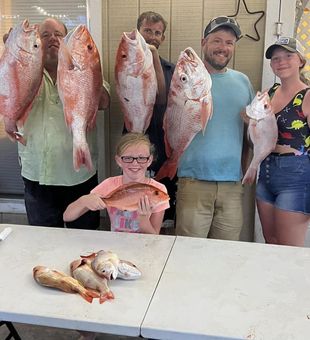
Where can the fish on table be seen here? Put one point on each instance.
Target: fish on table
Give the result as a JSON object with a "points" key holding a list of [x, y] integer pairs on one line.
{"points": [[82, 270], [79, 81], [21, 73], [263, 132], [135, 81], [128, 196], [108, 265], [56, 279], [189, 108]]}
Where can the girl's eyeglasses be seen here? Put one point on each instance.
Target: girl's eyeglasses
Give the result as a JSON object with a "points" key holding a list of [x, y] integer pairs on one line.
{"points": [[140, 159]]}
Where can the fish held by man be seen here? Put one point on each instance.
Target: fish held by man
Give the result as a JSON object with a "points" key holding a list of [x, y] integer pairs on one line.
{"points": [[82, 271], [79, 81], [263, 132], [128, 196], [135, 81], [188, 110], [21, 72], [56, 279]]}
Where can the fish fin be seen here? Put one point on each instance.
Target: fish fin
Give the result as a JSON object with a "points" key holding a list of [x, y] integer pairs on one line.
{"points": [[128, 124], [85, 295], [92, 122], [106, 296], [65, 55], [206, 113], [81, 155], [90, 257], [168, 169], [250, 176]]}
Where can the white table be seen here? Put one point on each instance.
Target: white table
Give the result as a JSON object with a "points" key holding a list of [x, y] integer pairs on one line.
{"points": [[220, 290], [23, 300]]}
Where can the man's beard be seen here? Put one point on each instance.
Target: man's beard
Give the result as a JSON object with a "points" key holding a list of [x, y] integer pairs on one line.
{"points": [[215, 65]]}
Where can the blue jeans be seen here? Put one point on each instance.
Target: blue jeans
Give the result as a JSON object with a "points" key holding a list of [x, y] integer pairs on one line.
{"points": [[284, 181]]}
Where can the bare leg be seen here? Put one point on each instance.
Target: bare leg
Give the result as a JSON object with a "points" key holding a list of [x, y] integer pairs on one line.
{"points": [[291, 227], [266, 213]]}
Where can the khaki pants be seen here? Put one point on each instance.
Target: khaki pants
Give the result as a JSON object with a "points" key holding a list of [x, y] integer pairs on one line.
{"points": [[209, 209]]}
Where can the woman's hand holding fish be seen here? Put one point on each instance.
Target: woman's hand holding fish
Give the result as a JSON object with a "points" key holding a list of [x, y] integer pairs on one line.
{"points": [[144, 207]]}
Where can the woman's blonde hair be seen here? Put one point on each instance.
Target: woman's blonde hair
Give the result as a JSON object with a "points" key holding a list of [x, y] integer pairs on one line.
{"points": [[133, 138]]}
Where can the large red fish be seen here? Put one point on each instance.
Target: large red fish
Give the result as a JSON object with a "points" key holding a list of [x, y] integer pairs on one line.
{"points": [[135, 81], [188, 110], [79, 81], [127, 196], [21, 72]]}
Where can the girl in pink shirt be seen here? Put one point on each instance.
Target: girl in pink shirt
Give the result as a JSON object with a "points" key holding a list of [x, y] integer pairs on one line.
{"points": [[134, 154]]}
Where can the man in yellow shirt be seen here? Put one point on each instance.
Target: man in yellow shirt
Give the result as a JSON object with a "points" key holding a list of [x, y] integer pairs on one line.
{"points": [[51, 183]]}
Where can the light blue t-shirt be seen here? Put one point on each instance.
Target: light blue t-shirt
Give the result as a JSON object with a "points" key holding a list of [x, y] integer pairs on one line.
{"points": [[216, 155]]}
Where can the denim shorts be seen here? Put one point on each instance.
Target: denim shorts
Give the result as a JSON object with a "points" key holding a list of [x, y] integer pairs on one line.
{"points": [[284, 181]]}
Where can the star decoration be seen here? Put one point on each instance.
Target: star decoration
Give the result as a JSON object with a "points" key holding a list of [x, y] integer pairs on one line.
{"points": [[261, 14]]}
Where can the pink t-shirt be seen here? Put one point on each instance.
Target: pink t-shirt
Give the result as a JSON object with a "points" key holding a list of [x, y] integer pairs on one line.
{"points": [[122, 220]]}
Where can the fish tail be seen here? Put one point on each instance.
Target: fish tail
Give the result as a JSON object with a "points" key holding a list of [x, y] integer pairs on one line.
{"points": [[168, 169], [250, 176], [106, 296], [206, 114], [87, 294], [81, 155]]}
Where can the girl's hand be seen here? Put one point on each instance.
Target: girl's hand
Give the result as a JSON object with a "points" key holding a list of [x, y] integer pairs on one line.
{"points": [[144, 207], [93, 202]]}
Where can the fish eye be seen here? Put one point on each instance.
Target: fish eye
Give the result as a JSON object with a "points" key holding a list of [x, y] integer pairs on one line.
{"points": [[265, 106], [89, 47], [124, 56], [35, 46], [156, 193], [183, 78]]}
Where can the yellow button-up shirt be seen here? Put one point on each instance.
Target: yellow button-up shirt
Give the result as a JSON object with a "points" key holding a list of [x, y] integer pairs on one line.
{"points": [[48, 156]]}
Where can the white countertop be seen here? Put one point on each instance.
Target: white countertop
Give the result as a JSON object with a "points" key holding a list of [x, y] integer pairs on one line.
{"points": [[24, 300], [214, 289]]}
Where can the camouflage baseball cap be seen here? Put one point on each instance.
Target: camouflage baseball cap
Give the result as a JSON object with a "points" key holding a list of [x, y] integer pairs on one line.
{"points": [[221, 22], [290, 44]]}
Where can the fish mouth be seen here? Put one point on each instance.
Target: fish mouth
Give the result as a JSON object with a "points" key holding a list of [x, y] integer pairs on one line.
{"points": [[53, 45], [131, 36]]}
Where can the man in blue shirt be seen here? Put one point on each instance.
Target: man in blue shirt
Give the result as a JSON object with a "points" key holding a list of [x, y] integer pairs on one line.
{"points": [[210, 194]]}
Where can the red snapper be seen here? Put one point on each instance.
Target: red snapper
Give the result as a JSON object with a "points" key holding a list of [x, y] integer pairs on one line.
{"points": [[135, 81], [79, 81], [188, 110], [21, 72]]}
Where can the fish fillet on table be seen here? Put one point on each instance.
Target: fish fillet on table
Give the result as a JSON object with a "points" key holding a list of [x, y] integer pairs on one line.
{"points": [[79, 81], [188, 110], [56, 279], [81, 270], [108, 265], [21, 73], [135, 81]]}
